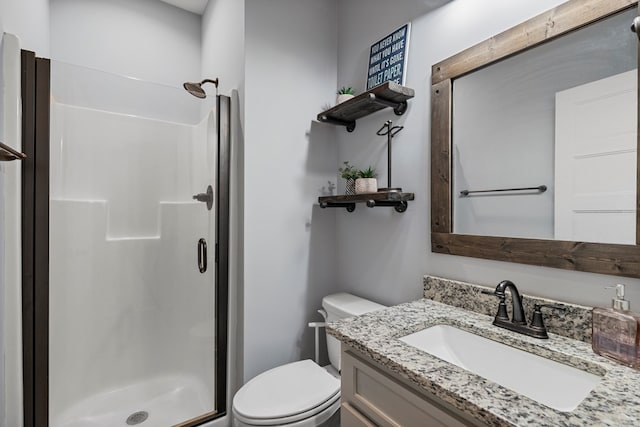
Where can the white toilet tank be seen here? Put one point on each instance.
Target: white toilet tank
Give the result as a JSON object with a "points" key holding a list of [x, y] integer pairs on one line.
{"points": [[339, 306]]}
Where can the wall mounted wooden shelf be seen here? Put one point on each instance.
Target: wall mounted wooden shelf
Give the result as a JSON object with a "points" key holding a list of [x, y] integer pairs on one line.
{"points": [[399, 201], [389, 94]]}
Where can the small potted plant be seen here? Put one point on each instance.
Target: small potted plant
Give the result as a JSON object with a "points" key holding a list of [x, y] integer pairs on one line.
{"points": [[344, 93], [366, 181], [350, 174]]}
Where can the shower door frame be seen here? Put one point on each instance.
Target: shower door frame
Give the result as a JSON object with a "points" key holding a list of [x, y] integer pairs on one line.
{"points": [[36, 92], [35, 87]]}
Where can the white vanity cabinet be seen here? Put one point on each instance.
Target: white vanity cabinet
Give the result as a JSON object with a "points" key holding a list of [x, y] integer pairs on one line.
{"points": [[373, 396]]}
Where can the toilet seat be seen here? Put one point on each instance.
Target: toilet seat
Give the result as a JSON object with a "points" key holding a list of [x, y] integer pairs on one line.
{"points": [[288, 394]]}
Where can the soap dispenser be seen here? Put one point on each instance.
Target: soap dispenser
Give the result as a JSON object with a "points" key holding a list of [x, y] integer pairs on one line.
{"points": [[615, 331]]}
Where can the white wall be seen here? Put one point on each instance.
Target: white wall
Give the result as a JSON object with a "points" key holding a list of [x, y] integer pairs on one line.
{"points": [[289, 252], [10, 283], [29, 20], [223, 44], [146, 39], [399, 243]]}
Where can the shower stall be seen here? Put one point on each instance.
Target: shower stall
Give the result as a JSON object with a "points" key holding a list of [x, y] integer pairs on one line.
{"points": [[132, 322]]}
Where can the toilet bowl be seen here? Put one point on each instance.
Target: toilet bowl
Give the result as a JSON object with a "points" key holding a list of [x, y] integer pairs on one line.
{"points": [[296, 394], [300, 394]]}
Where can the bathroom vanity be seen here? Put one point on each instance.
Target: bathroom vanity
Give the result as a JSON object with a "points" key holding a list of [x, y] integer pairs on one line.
{"points": [[389, 382], [371, 392]]}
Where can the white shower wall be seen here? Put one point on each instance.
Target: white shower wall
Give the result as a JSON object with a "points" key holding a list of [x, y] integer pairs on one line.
{"points": [[128, 305], [131, 162]]}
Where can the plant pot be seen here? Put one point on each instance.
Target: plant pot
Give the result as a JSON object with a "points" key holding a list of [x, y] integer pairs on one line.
{"points": [[350, 188], [343, 97], [366, 185]]}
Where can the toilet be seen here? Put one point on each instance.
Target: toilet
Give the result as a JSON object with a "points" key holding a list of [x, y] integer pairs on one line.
{"points": [[300, 394]]}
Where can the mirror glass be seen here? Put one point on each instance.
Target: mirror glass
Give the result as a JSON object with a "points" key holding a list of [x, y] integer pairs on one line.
{"points": [[561, 120]]}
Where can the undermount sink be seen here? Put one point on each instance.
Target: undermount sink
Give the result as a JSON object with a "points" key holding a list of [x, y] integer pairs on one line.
{"points": [[553, 384]]}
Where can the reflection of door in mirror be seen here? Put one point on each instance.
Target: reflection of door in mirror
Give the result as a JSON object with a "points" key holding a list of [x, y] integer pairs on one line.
{"points": [[595, 162], [503, 133]]}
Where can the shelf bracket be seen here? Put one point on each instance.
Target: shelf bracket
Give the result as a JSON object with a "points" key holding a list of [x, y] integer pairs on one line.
{"points": [[351, 126], [399, 108], [398, 205], [349, 206]]}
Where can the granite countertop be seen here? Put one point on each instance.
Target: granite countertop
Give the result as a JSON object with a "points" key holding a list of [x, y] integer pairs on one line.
{"points": [[614, 402]]}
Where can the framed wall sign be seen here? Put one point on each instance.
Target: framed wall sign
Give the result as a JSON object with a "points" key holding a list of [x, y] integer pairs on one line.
{"points": [[388, 58]]}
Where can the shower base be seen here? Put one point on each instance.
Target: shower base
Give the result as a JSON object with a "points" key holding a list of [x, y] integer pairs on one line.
{"points": [[165, 401]]}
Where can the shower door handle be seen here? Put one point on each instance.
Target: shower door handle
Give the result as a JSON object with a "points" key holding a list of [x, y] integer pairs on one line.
{"points": [[202, 255]]}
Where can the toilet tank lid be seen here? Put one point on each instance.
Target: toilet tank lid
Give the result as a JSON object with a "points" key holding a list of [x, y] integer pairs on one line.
{"points": [[345, 305]]}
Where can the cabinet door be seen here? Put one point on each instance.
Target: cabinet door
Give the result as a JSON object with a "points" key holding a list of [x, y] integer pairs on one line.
{"points": [[350, 417], [387, 402]]}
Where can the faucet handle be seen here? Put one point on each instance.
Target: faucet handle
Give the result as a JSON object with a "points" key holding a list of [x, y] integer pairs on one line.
{"points": [[502, 306], [537, 321]]}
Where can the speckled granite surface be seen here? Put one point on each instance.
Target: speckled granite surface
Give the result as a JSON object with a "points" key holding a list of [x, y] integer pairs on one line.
{"points": [[614, 402], [574, 322]]}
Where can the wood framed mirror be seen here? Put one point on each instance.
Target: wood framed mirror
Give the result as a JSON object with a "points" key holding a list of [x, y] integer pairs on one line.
{"points": [[547, 249]]}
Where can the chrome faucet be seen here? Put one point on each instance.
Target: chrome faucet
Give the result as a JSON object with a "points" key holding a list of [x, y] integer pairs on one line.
{"points": [[518, 322]]}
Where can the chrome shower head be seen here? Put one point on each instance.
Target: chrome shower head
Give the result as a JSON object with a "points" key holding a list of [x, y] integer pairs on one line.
{"points": [[196, 90]]}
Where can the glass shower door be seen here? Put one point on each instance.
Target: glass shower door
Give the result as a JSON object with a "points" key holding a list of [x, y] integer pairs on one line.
{"points": [[132, 291]]}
